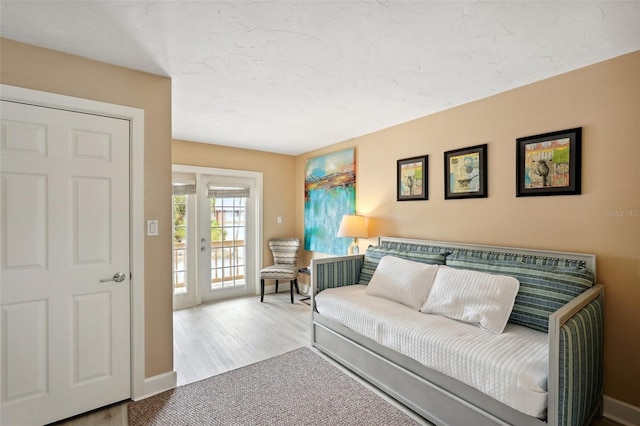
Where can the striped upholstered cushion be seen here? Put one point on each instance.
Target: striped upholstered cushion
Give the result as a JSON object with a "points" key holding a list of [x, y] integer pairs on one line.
{"points": [[407, 246], [581, 341], [482, 254], [285, 250], [278, 272], [543, 289], [373, 255], [338, 273]]}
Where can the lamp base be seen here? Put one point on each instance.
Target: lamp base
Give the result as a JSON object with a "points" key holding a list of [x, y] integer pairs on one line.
{"points": [[353, 248]]}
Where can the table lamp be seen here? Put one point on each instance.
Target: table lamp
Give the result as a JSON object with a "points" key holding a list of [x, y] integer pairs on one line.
{"points": [[353, 226]]}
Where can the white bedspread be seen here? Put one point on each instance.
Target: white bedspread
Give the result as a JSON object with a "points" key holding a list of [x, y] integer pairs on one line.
{"points": [[511, 367]]}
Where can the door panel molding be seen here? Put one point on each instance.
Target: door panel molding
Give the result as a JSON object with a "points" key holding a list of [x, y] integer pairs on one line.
{"points": [[31, 378]]}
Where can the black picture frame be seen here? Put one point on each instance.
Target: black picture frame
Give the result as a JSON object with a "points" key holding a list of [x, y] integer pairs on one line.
{"points": [[465, 173], [549, 164], [412, 178]]}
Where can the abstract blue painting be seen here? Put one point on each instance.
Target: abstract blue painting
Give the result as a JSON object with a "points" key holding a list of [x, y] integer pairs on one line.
{"points": [[329, 194]]}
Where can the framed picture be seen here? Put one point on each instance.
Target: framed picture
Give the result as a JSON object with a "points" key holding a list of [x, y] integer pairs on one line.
{"points": [[412, 178], [549, 164], [465, 173]]}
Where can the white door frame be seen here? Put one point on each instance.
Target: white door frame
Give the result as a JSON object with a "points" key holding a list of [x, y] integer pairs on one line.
{"points": [[258, 176], [140, 387]]}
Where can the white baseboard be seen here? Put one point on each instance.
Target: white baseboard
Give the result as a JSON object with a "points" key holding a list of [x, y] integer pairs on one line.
{"points": [[620, 411], [160, 383]]}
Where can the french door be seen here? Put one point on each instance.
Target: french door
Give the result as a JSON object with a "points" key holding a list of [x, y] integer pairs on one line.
{"points": [[215, 242], [222, 232]]}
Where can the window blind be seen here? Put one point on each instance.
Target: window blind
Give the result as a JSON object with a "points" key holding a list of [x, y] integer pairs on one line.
{"points": [[184, 189], [228, 193]]}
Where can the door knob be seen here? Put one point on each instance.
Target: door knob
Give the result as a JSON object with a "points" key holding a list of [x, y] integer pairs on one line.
{"points": [[117, 277]]}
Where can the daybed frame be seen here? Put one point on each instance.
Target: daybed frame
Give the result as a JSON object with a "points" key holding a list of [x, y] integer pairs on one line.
{"points": [[442, 399]]}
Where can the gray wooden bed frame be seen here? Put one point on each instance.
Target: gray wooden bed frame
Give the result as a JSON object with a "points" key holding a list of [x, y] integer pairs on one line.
{"points": [[438, 398]]}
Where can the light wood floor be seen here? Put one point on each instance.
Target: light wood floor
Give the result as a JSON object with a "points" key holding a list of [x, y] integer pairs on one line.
{"points": [[217, 337]]}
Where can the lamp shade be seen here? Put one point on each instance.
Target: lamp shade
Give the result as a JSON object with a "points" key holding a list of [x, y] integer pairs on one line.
{"points": [[353, 226]]}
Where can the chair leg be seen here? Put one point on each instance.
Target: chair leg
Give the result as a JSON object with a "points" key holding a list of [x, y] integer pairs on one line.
{"points": [[296, 284], [276, 286], [261, 290], [291, 284]]}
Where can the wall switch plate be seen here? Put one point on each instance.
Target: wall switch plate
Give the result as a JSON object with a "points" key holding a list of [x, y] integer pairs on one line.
{"points": [[152, 228], [279, 219]]}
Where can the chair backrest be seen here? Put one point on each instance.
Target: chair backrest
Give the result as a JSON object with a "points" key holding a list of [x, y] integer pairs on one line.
{"points": [[285, 251]]}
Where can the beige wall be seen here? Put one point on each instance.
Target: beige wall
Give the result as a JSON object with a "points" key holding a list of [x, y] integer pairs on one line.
{"points": [[604, 99], [50, 71], [278, 181]]}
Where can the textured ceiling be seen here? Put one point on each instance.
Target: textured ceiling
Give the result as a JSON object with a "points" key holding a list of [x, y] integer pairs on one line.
{"points": [[293, 76]]}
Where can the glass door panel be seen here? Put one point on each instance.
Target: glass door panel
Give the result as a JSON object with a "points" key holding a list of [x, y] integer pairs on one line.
{"points": [[179, 244], [228, 219], [183, 251], [228, 206]]}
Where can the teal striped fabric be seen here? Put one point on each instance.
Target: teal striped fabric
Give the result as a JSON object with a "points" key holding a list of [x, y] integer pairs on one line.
{"points": [[421, 248], [373, 255], [543, 289], [581, 342], [485, 255], [338, 273]]}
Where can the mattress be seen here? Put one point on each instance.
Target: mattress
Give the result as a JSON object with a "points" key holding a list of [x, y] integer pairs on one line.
{"points": [[511, 367]]}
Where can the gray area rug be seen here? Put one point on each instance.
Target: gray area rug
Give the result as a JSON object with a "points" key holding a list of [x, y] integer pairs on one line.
{"points": [[296, 388]]}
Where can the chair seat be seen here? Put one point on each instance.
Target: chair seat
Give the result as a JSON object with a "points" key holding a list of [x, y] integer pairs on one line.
{"points": [[278, 272]]}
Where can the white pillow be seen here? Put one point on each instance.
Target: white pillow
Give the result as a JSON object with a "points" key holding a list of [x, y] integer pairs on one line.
{"points": [[473, 297], [403, 281]]}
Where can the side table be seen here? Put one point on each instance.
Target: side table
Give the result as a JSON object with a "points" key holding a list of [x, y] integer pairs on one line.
{"points": [[307, 273]]}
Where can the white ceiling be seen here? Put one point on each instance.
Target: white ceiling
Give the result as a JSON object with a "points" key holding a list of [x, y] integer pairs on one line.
{"points": [[293, 76]]}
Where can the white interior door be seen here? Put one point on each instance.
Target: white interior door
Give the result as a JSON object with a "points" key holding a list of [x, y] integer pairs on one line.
{"points": [[65, 332]]}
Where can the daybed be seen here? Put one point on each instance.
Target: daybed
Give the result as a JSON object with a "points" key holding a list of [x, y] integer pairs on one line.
{"points": [[543, 368]]}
